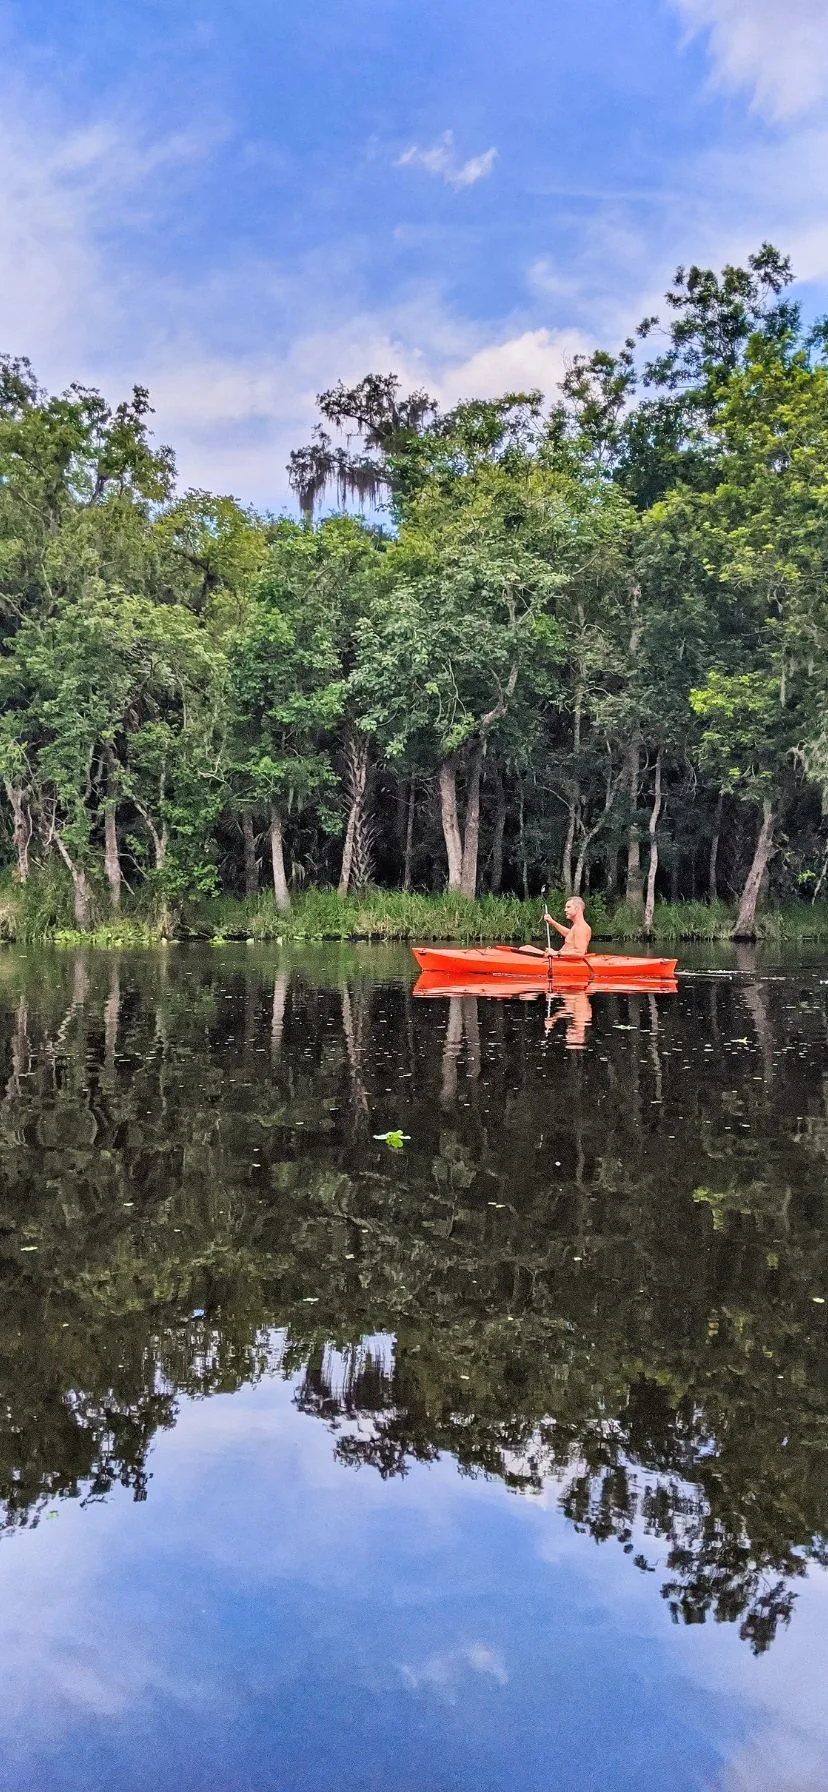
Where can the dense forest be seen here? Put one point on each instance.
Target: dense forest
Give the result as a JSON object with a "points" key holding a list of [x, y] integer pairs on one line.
{"points": [[580, 645]]}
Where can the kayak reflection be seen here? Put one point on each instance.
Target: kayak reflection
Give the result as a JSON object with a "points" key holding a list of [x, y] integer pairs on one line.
{"points": [[572, 1008]]}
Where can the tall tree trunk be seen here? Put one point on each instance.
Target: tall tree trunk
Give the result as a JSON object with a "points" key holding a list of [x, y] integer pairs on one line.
{"points": [[496, 878], [347, 853], [251, 869], [409, 832], [83, 899], [745, 928], [635, 887], [462, 850], [112, 861], [447, 781], [574, 795], [588, 834], [277, 856], [713, 889], [356, 852], [160, 841], [569, 842], [471, 832], [652, 868], [524, 868], [362, 863], [22, 828], [80, 885], [400, 806]]}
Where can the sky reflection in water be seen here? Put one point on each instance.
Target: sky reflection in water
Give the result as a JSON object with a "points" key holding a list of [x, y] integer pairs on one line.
{"points": [[332, 1431]]}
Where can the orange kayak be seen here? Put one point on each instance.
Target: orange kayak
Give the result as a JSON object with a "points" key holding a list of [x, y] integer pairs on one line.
{"points": [[460, 964]]}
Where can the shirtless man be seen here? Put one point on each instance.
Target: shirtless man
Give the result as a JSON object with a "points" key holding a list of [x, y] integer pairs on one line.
{"points": [[577, 936]]}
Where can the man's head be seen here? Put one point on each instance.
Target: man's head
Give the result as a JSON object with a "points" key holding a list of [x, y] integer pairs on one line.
{"points": [[574, 908]]}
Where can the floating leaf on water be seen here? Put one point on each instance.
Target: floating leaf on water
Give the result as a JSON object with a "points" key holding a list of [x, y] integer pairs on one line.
{"points": [[394, 1139]]}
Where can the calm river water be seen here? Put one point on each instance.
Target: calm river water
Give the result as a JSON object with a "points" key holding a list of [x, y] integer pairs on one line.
{"points": [[493, 1461]]}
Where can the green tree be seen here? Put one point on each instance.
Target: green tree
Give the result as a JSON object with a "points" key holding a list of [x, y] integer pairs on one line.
{"points": [[286, 680], [764, 533], [464, 609], [100, 702]]}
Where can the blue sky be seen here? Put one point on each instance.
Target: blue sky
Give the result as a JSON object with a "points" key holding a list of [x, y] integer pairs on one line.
{"points": [[238, 204]]}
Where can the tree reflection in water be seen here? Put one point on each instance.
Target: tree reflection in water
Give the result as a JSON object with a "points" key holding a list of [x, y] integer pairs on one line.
{"points": [[599, 1273]]}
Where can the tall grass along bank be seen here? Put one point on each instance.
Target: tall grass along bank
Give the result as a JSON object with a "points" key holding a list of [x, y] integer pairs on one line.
{"points": [[39, 914]]}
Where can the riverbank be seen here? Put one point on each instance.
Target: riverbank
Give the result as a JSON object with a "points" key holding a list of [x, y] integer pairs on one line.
{"points": [[394, 915]]}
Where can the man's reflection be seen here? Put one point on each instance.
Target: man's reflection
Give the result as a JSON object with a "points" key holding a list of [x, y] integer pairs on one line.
{"points": [[575, 1010]]}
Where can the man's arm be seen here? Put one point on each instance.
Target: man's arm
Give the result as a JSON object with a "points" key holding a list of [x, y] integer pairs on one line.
{"points": [[557, 926]]}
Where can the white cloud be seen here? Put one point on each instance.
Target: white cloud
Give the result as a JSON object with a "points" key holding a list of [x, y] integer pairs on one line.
{"points": [[443, 1673], [60, 193], [779, 52], [534, 359], [776, 191], [476, 168], [440, 159]]}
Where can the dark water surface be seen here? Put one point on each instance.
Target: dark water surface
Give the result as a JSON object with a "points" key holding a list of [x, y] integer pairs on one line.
{"points": [[495, 1461]]}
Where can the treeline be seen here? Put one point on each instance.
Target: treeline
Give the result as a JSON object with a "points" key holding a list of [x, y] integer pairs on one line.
{"points": [[587, 647]]}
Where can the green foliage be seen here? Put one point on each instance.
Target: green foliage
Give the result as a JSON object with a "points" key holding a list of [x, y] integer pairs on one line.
{"points": [[593, 641], [40, 908], [676, 921], [381, 915], [112, 935]]}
